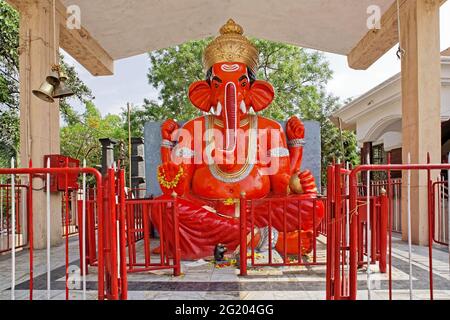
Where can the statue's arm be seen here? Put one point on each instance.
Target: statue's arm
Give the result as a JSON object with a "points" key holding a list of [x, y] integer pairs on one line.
{"points": [[295, 132], [175, 172], [279, 167], [301, 182]]}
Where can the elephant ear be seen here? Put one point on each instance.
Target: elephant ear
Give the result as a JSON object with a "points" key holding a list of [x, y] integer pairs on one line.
{"points": [[200, 95], [261, 95]]}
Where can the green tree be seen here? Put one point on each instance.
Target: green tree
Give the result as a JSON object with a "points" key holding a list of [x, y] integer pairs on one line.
{"points": [[298, 75], [9, 86], [80, 140]]}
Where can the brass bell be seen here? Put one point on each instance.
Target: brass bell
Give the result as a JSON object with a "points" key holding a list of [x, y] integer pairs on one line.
{"points": [[53, 78], [61, 91], [62, 75], [45, 92]]}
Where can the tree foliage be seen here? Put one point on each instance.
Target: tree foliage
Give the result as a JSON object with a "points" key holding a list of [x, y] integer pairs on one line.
{"points": [[9, 86], [298, 75], [80, 140]]}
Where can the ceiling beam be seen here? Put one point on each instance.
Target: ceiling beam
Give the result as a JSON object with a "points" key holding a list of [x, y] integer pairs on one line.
{"points": [[76, 42], [377, 42]]}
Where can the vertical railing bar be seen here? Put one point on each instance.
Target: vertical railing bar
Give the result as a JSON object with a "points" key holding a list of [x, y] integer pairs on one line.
{"points": [[441, 210], [252, 236], [368, 232], [448, 211], [390, 190], [8, 240], [347, 227], [48, 232], [409, 228], [285, 255], [430, 210], [30, 227], [299, 243], [270, 230], [24, 224], [13, 233], [66, 204], [314, 231], [83, 229], [161, 234], [1, 207]]}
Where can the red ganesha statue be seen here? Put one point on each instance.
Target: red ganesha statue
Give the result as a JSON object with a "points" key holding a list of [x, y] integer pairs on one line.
{"points": [[231, 150]]}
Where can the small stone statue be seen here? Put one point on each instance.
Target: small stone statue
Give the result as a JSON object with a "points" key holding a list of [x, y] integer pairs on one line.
{"points": [[219, 252]]}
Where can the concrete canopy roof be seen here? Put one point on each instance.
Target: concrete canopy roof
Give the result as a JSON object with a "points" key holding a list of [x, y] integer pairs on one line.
{"points": [[132, 27]]}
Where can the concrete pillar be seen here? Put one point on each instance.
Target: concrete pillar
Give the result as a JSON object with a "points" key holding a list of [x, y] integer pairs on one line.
{"points": [[420, 105], [366, 151], [107, 153], [39, 120], [137, 167]]}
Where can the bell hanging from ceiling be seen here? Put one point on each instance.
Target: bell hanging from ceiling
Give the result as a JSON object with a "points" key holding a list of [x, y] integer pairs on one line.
{"points": [[61, 90], [53, 78], [45, 92]]}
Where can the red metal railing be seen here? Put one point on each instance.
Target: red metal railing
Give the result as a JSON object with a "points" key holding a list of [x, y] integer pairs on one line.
{"points": [[102, 227], [277, 207], [440, 197], [69, 223], [378, 187], [136, 193], [91, 242], [20, 238], [354, 226], [353, 215], [112, 238], [140, 215], [323, 226]]}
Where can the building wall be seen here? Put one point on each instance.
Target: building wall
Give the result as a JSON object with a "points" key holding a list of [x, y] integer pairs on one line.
{"points": [[377, 115]]}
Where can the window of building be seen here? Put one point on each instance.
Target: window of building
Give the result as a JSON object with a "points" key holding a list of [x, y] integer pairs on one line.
{"points": [[378, 157]]}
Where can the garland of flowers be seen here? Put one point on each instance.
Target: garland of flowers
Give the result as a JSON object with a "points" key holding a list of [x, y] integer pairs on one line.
{"points": [[169, 184]]}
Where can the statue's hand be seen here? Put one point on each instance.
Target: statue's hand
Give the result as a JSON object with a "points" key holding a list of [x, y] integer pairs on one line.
{"points": [[295, 129], [303, 183], [167, 128], [171, 177]]}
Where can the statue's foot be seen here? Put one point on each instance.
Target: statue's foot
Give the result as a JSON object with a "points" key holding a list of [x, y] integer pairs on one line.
{"points": [[292, 242]]}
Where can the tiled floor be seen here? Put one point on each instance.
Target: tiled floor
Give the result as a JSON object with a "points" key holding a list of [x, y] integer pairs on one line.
{"points": [[202, 280]]}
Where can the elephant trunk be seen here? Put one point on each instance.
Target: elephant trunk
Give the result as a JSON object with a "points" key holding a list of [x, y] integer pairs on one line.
{"points": [[231, 117]]}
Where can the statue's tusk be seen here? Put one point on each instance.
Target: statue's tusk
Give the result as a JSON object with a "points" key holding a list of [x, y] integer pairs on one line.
{"points": [[243, 107], [251, 111], [212, 110], [219, 109]]}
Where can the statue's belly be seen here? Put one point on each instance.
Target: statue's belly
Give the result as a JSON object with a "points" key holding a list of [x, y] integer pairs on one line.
{"points": [[205, 185]]}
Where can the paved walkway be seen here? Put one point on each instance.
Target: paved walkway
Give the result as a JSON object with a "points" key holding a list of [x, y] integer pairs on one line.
{"points": [[202, 280]]}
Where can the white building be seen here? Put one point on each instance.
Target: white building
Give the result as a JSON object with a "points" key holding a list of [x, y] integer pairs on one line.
{"points": [[376, 117]]}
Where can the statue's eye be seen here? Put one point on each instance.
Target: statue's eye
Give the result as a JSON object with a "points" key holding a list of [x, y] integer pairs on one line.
{"points": [[216, 81], [243, 80]]}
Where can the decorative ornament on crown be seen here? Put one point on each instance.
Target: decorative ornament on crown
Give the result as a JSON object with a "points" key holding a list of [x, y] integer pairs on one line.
{"points": [[212, 159]]}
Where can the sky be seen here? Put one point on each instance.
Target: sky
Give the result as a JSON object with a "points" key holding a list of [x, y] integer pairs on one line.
{"points": [[130, 84]]}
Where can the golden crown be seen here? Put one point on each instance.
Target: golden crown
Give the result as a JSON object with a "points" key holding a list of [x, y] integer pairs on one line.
{"points": [[231, 46]]}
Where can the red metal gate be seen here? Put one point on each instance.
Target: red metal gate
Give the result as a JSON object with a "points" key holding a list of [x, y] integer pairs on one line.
{"points": [[140, 215], [357, 219], [305, 244], [351, 220], [113, 236]]}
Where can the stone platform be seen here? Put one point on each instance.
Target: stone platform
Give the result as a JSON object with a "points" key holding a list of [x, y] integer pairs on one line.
{"points": [[203, 280]]}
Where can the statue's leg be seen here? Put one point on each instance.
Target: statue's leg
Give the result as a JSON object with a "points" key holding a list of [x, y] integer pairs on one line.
{"points": [[302, 215], [200, 229]]}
